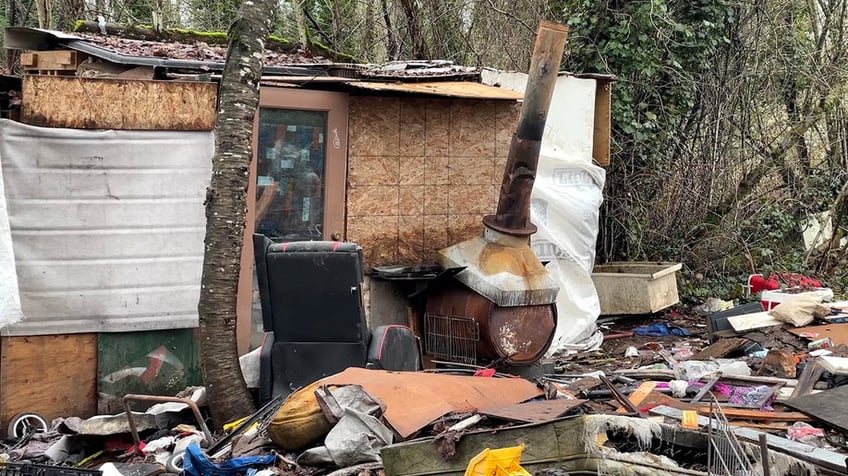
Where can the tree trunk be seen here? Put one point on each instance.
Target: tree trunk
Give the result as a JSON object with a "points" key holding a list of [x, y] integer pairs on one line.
{"points": [[391, 40], [44, 10], [300, 19], [414, 30], [226, 204]]}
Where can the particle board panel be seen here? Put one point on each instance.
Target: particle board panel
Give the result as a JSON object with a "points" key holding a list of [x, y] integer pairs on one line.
{"points": [[53, 375], [87, 103]]}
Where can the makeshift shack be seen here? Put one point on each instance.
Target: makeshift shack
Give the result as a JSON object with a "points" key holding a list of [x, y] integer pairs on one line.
{"points": [[102, 226]]}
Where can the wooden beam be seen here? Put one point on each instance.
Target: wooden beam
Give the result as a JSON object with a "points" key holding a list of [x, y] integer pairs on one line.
{"points": [[58, 60], [79, 103], [54, 375], [603, 123], [743, 414]]}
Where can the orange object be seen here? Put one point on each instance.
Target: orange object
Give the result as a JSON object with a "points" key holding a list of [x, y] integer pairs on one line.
{"points": [[690, 419]]}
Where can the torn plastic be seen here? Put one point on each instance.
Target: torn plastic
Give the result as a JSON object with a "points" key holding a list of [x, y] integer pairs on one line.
{"points": [[196, 463], [358, 435], [565, 206]]}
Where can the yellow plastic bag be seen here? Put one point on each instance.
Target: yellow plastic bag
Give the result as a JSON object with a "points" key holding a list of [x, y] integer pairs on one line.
{"points": [[500, 462]]}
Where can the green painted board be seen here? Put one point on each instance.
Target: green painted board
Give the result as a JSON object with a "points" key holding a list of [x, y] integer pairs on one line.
{"points": [[150, 362]]}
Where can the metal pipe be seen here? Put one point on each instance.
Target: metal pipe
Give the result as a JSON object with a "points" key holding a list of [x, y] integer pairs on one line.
{"points": [[513, 213], [157, 399]]}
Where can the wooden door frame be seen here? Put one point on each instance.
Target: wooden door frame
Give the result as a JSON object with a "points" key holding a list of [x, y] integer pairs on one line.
{"points": [[335, 183]]}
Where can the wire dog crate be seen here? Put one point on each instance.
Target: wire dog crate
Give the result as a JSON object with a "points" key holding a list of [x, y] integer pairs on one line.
{"points": [[725, 455], [451, 338]]}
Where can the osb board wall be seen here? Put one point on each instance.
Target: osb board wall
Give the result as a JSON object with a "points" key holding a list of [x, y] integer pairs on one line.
{"points": [[422, 173], [80, 103], [54, 375]]}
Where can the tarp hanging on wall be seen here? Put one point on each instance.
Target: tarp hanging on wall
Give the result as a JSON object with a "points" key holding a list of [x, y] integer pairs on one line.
{"points": [[107, 227]]}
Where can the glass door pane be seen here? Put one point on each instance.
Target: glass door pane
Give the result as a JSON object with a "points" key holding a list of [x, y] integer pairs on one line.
{"points": [[291, 159]]}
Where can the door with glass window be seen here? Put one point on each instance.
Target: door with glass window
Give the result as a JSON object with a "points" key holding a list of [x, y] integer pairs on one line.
{"points": [[297, 188]]}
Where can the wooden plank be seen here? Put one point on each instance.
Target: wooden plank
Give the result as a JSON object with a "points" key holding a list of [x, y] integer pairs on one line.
{"points": [[720, 349], [827, 459], [54, 375], [80, 103], [603, 123], [420, 457], [757, 320], [636, 398], [743, 414]]}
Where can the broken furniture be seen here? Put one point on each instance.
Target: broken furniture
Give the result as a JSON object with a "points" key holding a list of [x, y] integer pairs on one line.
{"points": [[312, 313]]}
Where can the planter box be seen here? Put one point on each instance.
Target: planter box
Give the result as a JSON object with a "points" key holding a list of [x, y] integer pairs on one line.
{"points": [[636, 287]]}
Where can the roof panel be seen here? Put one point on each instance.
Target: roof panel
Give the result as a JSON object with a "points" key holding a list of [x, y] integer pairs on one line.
{"points": [[458, 89]]}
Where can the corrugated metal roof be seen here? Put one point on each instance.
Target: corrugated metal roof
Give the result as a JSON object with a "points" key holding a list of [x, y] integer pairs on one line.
{"points": [[458, 89]]}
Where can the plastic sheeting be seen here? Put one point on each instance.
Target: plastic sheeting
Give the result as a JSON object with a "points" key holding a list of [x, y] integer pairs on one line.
{"points": [[107, 228], [566, 202]]}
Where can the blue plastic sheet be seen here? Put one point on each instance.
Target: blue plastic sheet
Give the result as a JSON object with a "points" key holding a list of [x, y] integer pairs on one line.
{"points": [[195, 463], [661, 329]]}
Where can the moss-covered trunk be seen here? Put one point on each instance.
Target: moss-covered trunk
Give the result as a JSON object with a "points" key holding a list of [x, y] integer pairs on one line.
{"points": [[226, 205]]}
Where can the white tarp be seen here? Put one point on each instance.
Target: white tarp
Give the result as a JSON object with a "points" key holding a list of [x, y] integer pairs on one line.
{"points": [[566, 201], [107, 227]]}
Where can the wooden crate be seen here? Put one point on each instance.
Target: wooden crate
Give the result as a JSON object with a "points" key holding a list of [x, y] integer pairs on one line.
{"points": [[52, 63]]}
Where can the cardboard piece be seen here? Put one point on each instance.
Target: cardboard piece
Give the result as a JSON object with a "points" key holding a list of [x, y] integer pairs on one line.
{"points": [[837, 332], [413, 400]]}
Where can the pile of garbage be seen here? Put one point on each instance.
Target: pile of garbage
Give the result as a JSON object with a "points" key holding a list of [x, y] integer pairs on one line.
{"points": [[766, 379]]}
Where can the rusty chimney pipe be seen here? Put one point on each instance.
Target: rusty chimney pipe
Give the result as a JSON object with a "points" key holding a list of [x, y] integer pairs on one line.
{"points": [[513, 213]]}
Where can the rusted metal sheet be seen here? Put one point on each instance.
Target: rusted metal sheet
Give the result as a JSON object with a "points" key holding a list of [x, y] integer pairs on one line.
{"points": [[413, 400], [457, 89], [519, 335], [534, 412]]}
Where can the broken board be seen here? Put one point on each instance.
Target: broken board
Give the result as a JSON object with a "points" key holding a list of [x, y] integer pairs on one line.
{"points": [[757, 320], [837, 332], [720, 349], [829, 407], [534, 412]]}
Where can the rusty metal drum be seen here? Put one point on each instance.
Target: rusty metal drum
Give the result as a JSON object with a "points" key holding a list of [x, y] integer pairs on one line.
{"points": [[457, 317]]}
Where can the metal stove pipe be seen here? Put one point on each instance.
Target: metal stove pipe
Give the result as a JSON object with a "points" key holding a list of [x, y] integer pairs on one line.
{"points": [[513, 213]]}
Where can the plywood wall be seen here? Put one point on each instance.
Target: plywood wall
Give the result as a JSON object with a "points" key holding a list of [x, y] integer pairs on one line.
{"points": [[423, 172], [54, 375], [84, 103]]}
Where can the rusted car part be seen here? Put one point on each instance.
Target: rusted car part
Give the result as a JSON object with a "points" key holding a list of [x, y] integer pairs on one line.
{"points": [[157, 399], [500, 265]]}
